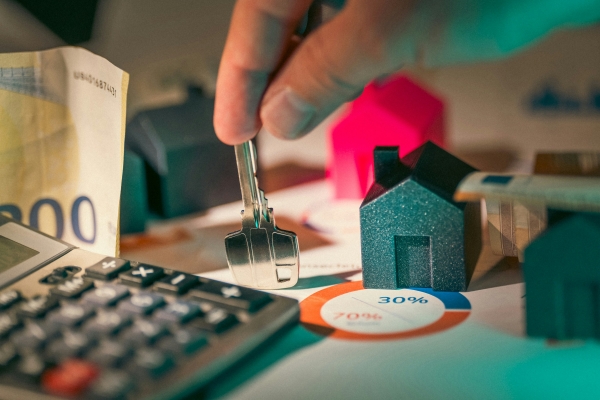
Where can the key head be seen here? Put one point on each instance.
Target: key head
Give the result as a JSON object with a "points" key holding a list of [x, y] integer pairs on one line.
{"points": [[263, 258], [237, 249], [287, 260]]}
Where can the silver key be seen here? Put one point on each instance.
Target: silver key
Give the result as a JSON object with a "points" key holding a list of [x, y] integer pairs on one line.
{"points": [[259, 255]]}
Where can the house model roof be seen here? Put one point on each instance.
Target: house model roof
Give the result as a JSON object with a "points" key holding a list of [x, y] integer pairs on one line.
{"points": [[429, 165], [397, 101], [152, 133]]}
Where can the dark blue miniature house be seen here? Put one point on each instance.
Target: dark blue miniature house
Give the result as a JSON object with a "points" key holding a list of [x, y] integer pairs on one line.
{"points": [[412, 232], [562, 279]]}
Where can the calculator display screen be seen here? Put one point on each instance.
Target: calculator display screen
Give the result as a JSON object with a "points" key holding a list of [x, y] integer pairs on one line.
{"points": [[13, 253]]}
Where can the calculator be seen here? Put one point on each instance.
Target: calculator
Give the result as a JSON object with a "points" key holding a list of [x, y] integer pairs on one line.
{"points": [[74, 324]]}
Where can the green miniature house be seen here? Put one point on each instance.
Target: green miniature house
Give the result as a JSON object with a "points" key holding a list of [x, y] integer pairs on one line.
{"points": [[562, 280], [413, 234]]}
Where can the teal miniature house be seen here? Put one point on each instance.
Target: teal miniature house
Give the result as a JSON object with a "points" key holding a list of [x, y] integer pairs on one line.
{"points": [[134, 197], [562, 280], [412, 232]]}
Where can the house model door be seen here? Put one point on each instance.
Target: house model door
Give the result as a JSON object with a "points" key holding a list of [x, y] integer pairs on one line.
{"points": [[413, 261]]}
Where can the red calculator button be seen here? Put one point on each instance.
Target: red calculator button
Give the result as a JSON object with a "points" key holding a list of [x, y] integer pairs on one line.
{"points": [[69, 378]]}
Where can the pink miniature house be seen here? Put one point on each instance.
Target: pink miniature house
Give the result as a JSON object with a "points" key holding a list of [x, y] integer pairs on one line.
{"points": [[396, 112]]}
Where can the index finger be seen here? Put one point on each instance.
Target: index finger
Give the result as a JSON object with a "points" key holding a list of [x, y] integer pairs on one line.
{"points": [[258, 35]]}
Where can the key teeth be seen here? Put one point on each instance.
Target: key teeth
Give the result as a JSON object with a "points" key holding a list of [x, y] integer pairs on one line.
{"points": [[264, 205]]}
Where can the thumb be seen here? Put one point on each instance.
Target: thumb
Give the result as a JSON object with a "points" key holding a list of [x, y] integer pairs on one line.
{"points": [[334, 63]]}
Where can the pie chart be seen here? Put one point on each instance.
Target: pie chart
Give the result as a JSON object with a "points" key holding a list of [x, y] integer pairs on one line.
{"points": [[348, 311]]}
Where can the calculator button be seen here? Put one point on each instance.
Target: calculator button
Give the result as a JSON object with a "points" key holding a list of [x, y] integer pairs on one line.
{"points": [[72, 288], [176, 283], [111, 385], [70, 345], [33, 336], [70, 314], [8, 353], [8, 323], [106, 323], [109, 353], [184, 341], [8, 298], [151, 363], [231, 295], [216, 320], [142, 303], [178, 312], [143, 332], [106, 295], [60, 274], [141, 276], [31, 366], [108, 268], [70, 378], [37, 307]]}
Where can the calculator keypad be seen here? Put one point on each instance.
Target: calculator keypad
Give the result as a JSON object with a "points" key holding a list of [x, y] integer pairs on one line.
{"points": [[103, 333]]}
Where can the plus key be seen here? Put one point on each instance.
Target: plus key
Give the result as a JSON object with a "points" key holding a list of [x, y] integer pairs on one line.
{"points": [[107, 269], [141, 276]]}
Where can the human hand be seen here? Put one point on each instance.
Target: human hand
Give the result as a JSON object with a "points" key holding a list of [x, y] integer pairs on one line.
{"points": [[267, 79], [312, 78]]}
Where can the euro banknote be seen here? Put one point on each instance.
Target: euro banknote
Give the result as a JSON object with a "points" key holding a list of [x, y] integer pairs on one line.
{"points": [[569, 193], [573, 164], [513, 225], [517, 205], [62, 131]]}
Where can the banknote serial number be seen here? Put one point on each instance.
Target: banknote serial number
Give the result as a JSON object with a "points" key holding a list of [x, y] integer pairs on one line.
{"points": [[99, 83]]}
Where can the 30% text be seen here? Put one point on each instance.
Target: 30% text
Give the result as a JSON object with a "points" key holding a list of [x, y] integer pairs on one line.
{"points": [[400, 300]]}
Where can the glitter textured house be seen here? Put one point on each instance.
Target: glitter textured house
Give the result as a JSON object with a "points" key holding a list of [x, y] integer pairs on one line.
{"points": [[412, 232]]}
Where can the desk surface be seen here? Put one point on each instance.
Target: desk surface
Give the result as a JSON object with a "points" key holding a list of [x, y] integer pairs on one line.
{"points": [[485, 355]]}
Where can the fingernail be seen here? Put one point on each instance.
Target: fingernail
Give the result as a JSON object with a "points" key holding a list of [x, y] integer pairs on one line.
{"points": [[286, 114]]}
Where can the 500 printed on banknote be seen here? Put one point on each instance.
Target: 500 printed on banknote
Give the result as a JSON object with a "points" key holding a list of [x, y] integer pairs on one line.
{"points": [[62, 130]]}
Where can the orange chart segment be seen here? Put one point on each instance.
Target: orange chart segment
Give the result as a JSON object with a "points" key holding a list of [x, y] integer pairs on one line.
{"points": [[347, 311]]}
